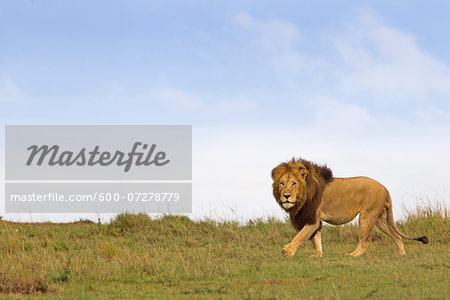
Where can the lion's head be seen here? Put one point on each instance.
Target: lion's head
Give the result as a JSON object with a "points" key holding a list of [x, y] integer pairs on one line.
{"points": [[289, 184], [297, 187]]}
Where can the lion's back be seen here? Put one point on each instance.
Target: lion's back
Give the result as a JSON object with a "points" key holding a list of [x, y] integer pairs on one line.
{"points": [[346, 197]]}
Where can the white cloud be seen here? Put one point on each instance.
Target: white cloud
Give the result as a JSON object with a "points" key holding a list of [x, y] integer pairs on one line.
{"points": [[177, 98], [368, 56], [232, 167], [388, 62], [278, 40], [242, 105], [431, 113], [9, 91], [334, 114], [368, 64], [274, 35], [221, 105]]}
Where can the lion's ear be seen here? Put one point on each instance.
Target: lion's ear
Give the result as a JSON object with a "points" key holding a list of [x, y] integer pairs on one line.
{"points": [[278, 171], [304, 174]]}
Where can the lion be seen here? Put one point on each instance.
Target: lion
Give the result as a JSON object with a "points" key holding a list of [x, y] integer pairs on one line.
{"points": [[310, 194]]}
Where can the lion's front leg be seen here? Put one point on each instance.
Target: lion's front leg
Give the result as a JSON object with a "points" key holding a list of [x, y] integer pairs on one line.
{"points": [[317, 242], [288, 250], [303, 235]]}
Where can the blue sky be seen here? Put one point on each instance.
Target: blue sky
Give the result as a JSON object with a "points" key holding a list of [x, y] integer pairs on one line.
{"points": [[361, 85]]}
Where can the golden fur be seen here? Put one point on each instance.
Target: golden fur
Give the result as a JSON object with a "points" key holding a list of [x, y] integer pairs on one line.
{"points": [[310, 194]]}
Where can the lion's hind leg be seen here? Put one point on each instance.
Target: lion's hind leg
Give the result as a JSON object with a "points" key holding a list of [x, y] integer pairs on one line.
{"points": [[383, 224], [366, 223]]}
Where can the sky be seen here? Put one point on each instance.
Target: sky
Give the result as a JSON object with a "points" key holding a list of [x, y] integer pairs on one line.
{"points": [[363, 86]]}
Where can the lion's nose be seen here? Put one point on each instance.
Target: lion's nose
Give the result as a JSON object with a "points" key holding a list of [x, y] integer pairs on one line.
{"points": [[286, 196]]}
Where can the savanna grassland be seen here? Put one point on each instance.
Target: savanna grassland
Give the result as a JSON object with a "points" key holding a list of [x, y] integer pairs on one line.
{"points": [[135, 256]]}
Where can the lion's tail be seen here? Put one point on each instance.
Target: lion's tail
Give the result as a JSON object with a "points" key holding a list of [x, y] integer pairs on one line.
{"points": [[391, 222]]}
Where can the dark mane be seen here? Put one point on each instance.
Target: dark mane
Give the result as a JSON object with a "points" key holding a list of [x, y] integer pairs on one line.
{"points": [[322, 170], [319, 177]]}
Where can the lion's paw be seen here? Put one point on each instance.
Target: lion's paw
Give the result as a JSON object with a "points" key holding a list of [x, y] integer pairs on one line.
{"points": [[316, 254], [288, 250], [355, 253]]}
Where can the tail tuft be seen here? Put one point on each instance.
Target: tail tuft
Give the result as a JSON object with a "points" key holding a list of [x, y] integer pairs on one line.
{"points": [[423, 239]]}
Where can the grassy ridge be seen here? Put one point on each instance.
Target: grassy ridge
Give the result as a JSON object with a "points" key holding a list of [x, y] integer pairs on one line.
{"points": [[138, 257]]}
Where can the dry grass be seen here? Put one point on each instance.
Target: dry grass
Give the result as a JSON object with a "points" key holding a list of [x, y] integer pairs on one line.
{"points": [[17, 285], [174, 257]]}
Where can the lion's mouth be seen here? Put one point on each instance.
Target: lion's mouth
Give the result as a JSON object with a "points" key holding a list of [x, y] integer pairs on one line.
{"points": [[287, 204]]}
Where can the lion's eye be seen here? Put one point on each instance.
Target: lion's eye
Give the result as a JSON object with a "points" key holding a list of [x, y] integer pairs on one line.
{"points": [[294, 184], [282, 184]]}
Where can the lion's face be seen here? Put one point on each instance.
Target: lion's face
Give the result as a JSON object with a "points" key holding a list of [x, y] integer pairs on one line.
{"points": [[290, 188]]}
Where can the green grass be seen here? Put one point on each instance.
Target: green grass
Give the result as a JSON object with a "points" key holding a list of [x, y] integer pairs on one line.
{"points": [[173, 257]]}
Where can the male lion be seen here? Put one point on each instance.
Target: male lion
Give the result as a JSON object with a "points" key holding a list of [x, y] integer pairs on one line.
{"points": [[310, 194]]}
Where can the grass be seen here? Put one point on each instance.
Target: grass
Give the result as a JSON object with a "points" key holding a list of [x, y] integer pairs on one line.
{"points": [[173, 257]]}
